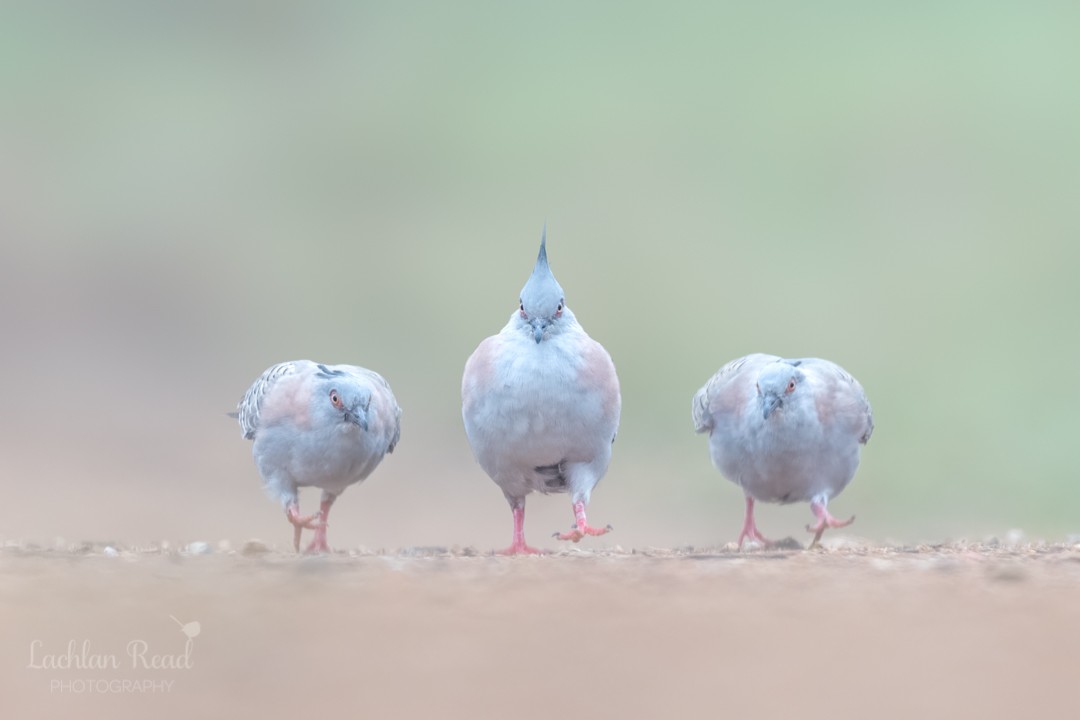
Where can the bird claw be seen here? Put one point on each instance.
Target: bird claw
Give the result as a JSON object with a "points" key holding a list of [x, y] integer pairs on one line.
{"points": [[755, 538], [581, 526], [306, 522], [520, 549], [568, 535], [577, 533], [749, 530], [317, 546], [829, 522], [825, 520]]}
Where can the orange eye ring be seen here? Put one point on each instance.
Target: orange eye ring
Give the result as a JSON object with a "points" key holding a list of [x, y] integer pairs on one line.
{"points": [[335, 399], [791, 386]]}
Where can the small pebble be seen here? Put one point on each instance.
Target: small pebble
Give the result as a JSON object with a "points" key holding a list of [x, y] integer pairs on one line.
{"points": [[254, 548], [199, 548], [1014, 537]]}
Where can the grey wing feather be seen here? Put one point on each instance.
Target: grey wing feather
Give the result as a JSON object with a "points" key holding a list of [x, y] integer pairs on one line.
{"points": [[249, 406], [397, 412], [869, 425], [857, 388], [865, 437], [701, 408], [861, 394], [397, 431]]}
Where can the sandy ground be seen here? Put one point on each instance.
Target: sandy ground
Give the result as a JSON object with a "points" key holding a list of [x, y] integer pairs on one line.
{"points": [[958, 630]]}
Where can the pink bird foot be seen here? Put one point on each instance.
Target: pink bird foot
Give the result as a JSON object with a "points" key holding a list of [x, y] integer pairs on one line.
{"points": [[299, 522], [316, 522], [581, 526], [318, 543], [518, 546], [825, 520], [749, 528]]}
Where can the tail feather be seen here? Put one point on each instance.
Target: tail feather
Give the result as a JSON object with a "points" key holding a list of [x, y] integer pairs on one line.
{"points": [[699, 410]]}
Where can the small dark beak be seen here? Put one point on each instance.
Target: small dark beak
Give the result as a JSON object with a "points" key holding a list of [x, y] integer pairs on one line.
{"points": [[538, 329], [770, 403], [357, 419]]}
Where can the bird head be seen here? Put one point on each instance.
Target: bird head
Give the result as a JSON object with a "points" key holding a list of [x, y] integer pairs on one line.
{"points": [[777, 384], [345, 402], [542, 303]]}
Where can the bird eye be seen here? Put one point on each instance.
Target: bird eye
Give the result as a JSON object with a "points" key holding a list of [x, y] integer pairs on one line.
{"points": [[791, 386], [335, 399]]}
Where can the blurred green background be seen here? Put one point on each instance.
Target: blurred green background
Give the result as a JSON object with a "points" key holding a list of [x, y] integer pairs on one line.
{"points": [[191, 192]]}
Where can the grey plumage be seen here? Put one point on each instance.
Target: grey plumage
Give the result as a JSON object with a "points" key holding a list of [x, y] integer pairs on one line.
{"points": [[785, 430], [248, 407], [541, 403], [320, 426]]}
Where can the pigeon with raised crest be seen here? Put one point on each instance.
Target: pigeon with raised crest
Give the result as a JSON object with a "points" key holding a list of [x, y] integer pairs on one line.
{"points": [[541, 405]]}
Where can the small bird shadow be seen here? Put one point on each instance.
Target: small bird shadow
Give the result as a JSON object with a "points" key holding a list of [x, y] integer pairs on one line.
{"points": [[788, 543], [776, 550]]}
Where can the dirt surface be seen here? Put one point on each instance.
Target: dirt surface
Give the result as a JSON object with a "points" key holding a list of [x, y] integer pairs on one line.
{"points": [[953, 631]]}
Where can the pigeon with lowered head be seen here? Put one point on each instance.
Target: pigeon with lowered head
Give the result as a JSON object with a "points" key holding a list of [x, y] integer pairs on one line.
{"points": [[785, 431], [314, 425]]}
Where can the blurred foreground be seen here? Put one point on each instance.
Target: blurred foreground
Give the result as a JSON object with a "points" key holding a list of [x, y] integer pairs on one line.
{"points": [[854, 630]]}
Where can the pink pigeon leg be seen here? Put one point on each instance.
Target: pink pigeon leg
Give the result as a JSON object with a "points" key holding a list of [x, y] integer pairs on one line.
{"points": [[318, 544], [518, 546], [825, 520], [299, 522], [581, 526], [749, 528]]}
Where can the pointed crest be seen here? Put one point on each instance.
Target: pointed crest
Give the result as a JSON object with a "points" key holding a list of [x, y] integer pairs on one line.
{"points": [[542, 293], [541, 259]]}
